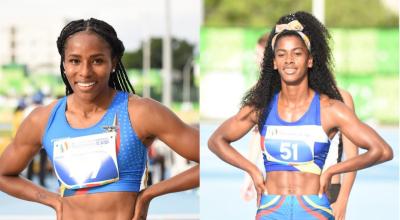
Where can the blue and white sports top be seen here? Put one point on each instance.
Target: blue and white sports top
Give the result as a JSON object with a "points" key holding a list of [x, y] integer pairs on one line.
{"points": [[92, 169], [294, 146]]}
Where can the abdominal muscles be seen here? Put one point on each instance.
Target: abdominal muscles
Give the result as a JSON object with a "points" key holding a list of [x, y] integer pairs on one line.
{"points": [[99, 206], [292, 183]]}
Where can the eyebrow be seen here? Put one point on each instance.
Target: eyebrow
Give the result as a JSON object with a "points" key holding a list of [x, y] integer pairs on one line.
{"points": [[91, 56], [297, 48]]}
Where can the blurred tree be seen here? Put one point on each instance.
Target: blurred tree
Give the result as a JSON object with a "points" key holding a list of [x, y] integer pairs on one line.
{"points": [[254, 13], [133, 59], [182, 54], [181, 51], [264, 13], [359, 13]]}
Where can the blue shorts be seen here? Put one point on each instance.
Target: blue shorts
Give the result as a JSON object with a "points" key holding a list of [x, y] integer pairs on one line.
{"points": [[293, 207]]}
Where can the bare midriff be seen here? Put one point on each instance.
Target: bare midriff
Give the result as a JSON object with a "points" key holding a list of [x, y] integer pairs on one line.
{"points": [[100, 206], [292, 183]]}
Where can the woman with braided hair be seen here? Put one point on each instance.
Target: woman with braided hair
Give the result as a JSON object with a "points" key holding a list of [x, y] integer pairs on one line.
{"points": [[97, 135], [298, 109]]}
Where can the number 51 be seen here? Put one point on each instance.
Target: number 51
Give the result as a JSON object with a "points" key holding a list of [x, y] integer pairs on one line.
{"points": [[288, 151]]}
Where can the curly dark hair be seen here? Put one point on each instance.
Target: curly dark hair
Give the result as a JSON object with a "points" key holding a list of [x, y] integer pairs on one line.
{"points": [[119, 79], [320, 77]]}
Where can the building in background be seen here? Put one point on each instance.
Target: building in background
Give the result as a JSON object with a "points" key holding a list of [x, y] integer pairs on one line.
{"points": [[31, 42]]}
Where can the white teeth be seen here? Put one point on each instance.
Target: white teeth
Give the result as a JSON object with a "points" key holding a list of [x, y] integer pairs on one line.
{"points": [[289, 70], [86, 84]]}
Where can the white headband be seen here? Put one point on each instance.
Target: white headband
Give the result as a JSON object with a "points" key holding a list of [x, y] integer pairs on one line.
{"points": [[294, 25]]}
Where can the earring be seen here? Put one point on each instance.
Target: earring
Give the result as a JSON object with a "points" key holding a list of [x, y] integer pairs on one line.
{"points": [[113, 70]]}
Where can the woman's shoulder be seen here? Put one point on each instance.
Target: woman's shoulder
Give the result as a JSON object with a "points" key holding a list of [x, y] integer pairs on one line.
{"points": [[36, 119], [143, 104], [149, 116], [334, 108], [247, 112], [327, 102], [148, 110], [41, 113]]}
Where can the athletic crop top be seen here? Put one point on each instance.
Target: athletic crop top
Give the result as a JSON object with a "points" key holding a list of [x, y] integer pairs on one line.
{"points": [[294, 146], [125, 166]]}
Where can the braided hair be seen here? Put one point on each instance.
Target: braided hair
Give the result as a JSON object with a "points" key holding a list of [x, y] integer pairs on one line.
{"points": [[320, 77], [118, 79]]}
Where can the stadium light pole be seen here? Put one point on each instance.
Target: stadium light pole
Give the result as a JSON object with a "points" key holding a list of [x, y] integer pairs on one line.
{"points": [[318, 10], [167, 57], [146, 66], [186, 80], [13, 31]]}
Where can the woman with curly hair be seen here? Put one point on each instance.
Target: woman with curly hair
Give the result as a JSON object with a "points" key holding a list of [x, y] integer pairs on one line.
{"points": [[298, 109], [339, 190]]}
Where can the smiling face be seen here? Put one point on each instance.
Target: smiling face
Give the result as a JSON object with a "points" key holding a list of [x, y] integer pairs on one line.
{"points": [[88, 64], [292, 59]]}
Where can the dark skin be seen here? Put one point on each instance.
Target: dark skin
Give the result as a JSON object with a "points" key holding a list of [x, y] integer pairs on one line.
{"points": [[339, 207], [292, 61], [88, 64]]}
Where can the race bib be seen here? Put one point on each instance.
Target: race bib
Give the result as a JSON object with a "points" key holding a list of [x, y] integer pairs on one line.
{"points": [[86, 161], [292, 144], [289, 152]]}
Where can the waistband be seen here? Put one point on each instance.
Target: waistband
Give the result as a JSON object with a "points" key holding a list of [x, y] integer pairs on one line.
{"points": [[294, 207]]}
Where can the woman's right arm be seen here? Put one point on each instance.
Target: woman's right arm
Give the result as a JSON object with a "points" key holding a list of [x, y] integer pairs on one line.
{"points": [[231, 130], [247, 191], [18, 154]]}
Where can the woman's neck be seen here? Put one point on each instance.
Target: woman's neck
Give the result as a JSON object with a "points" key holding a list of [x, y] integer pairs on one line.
{"points": [[84, 107], [295, 95]]}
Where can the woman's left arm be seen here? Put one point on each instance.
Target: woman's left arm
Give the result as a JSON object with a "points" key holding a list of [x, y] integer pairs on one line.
{"points": [[339, 207], [340, 116], [350, 150], [157, 121]]}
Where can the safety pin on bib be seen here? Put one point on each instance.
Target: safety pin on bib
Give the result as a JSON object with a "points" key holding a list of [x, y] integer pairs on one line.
{"points": [[110, 128], [114, 127]]}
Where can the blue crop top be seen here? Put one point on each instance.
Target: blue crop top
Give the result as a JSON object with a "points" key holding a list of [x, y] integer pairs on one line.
{"points": [[294, 146], [131, 153]]}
